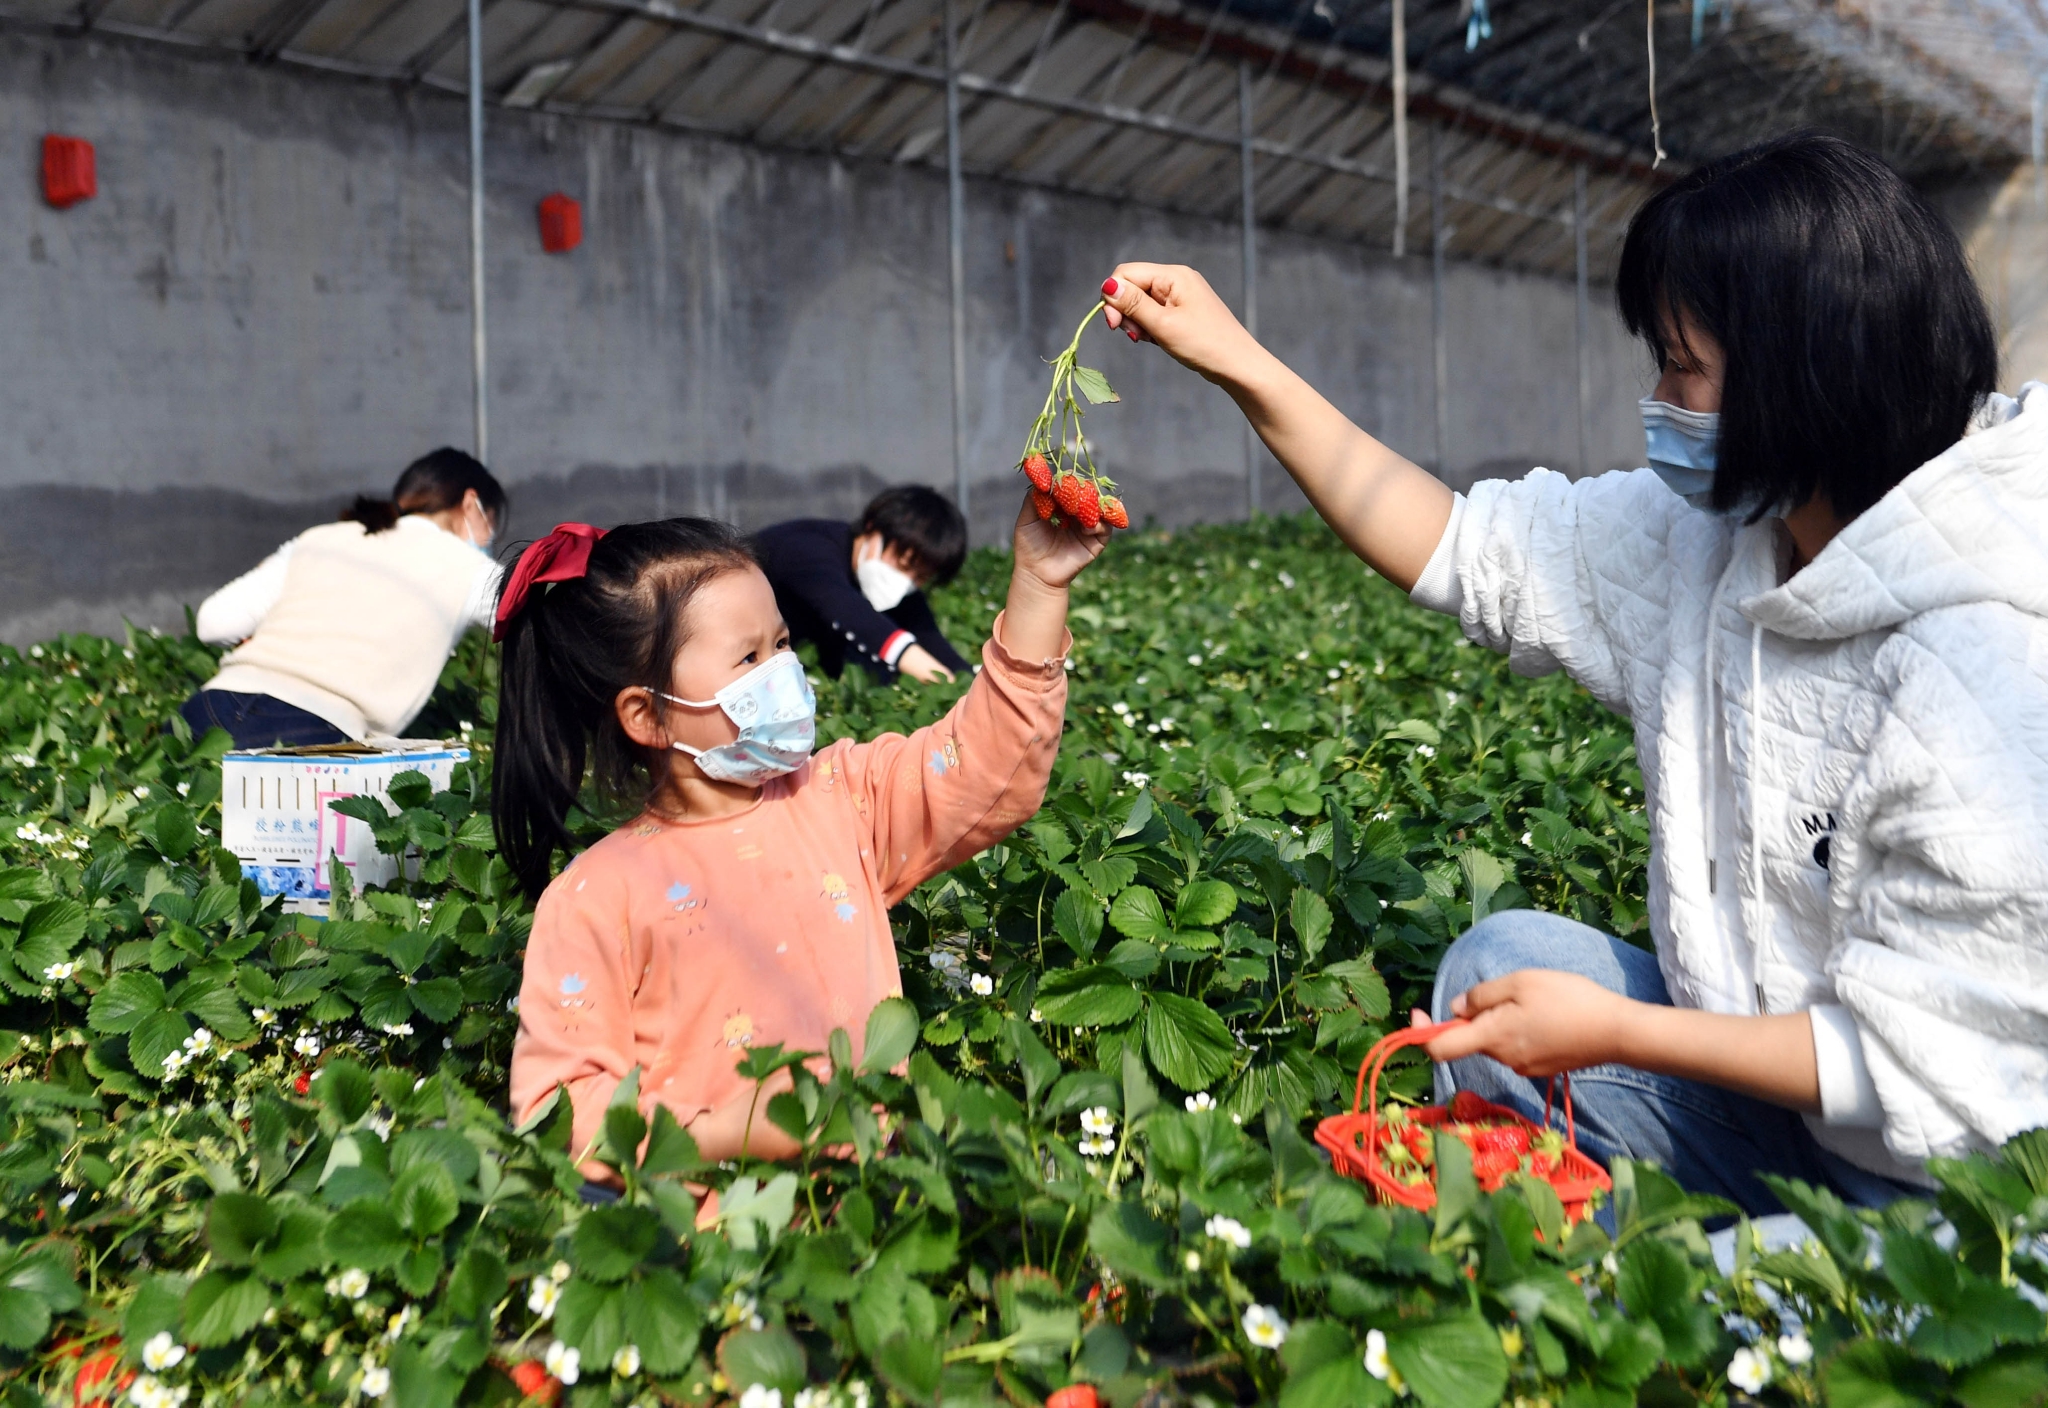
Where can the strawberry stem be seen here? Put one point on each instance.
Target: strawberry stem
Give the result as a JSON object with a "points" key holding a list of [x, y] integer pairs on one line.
{"points": [[1056, 432]]}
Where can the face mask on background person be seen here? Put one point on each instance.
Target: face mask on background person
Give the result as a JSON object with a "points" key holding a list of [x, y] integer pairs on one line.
{"points": [[1682, 448], [775, 711], [882, 582]]}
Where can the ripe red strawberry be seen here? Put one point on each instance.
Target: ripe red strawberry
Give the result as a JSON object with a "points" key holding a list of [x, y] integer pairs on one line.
{"points": [[1039, 471], [1042, 504], [1114, 513], [1079, 499], [1490, 1165]]}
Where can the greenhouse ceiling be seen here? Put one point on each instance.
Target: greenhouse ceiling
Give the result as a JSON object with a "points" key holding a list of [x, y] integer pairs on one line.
{"points": [[1524, 118]]}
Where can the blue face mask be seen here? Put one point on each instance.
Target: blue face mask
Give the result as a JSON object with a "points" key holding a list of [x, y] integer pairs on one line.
{"points": [[1681, 446], [775, 711]]}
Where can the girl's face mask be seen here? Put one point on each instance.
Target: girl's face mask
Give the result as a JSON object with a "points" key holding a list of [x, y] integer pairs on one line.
{"points": [[775, 711]]}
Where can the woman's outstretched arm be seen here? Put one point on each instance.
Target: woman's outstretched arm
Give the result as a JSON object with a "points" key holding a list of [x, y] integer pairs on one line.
{"points": [[1388, 510]]}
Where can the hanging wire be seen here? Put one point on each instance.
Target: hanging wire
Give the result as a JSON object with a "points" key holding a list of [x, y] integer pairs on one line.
{"points": [[1650, 43], [1477, 18]]}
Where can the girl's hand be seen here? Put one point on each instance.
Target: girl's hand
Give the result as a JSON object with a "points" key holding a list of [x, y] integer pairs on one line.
{"points": [[1174, 306], [1053, 554], [1047, 560], [1537, 1023]]}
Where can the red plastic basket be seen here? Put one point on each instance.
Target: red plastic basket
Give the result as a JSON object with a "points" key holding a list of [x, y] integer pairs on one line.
{"points": [[1353, 1139]]}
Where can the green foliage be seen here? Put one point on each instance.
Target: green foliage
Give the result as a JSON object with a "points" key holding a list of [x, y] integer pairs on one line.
{"points": [[266, 1159]]}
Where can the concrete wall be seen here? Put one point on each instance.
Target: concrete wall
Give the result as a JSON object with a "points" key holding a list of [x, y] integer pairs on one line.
{"points": [[266, 310], [2004, 223]]}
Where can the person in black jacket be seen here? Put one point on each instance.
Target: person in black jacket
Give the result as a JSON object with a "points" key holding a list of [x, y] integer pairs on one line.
{"points": [[856, 590]]}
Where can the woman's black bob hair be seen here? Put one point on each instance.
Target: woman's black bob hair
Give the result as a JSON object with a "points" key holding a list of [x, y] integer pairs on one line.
{"points": [[1854, 342], [567, 655]]}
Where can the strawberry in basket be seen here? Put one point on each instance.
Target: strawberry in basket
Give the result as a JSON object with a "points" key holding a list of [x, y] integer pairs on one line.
{"points": [[1057, 460]]}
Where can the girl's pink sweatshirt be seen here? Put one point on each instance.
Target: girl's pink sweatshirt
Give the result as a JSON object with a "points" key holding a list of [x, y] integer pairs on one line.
{"points": [[672, 945]]}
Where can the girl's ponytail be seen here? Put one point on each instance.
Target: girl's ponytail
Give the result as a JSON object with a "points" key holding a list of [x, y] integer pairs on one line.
{"points": [[581, 617]]}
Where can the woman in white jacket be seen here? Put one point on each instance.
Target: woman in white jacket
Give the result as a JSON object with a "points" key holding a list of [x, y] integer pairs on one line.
{"points": [[342, 632], [1824, 607]]}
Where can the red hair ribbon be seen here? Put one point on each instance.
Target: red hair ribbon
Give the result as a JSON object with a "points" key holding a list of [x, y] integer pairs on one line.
{"points": [[562, 556]]}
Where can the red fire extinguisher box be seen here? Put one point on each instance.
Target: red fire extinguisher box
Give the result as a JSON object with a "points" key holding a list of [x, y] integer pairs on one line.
{"points": [[561, 223], [68, 176]]}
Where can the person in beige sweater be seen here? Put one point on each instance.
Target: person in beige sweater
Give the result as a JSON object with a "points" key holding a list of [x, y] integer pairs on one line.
{"points": [[342, 632]]}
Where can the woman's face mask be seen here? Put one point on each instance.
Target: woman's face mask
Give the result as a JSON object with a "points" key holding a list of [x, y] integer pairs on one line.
{"points": [[1682, 448], [775, 711]]}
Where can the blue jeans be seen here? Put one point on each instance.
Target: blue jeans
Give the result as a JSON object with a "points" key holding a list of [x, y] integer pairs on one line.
{"points": [[257, 720], [1711, 1140]]}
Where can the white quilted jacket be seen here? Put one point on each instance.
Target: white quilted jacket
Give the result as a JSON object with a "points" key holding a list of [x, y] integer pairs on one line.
{"points": [[1847, 771]]}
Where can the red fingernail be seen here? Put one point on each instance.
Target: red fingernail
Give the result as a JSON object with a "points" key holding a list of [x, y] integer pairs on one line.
{"points": [[1133, 332], [1109, 288]]}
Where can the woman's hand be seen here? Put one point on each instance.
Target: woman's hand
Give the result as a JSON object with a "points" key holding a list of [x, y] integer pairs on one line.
{"points": [[1048, 558], [1172, 305], [1388, 511], [1537, 1023]]}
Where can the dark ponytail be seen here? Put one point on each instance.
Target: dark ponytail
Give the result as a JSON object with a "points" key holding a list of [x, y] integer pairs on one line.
{"points": [[433, 483], [567, 654]]}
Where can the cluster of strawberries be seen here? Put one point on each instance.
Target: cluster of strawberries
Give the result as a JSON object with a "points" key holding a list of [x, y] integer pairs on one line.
{"points": [[1499, 1148], [1075, 495]]}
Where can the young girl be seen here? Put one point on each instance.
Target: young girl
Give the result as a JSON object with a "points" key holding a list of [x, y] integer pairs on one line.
{"points": [[1826, 613], [749, 902]]}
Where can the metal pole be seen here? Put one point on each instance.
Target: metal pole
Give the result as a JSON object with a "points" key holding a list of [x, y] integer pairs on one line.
{"points": [[1585, 388], [2040, 144], [1250, 222], [1400, 128], [1438, 238], [478, 368], [956, 260]]}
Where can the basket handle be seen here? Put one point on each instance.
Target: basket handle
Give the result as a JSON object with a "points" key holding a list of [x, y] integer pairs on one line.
{"points": [[1376, 1059], [1369, 1070]]}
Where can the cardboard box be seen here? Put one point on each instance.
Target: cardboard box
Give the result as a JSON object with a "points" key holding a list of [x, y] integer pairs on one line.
{"points": [[276, 813]]}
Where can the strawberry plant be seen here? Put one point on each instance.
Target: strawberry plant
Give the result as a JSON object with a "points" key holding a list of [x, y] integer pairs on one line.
{"points": [[253, 1158], [1057, 457]]}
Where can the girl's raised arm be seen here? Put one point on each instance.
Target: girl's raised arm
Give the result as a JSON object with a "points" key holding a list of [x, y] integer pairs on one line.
{"points": [[1387, 510], [958, 786]]}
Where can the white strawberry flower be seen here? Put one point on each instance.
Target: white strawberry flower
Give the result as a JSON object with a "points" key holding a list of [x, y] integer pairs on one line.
{"points": [[1376, 1362], [1264, 1327], [199, 1042], [263, 1015], [58, 972], [398, 1029], [174, 1061], [564, 1362], [541, 1300], [1097, 1148], [307, 1046], [1098, 1120], [1228, 1229], [1795, 1348], [353, 1283], [1201, 1100], [1749, 1370], [161, 1352], [396, 1325], [761, 1396], [982, 984], [626, 1363], [376, 1381], [1037, 1016]]}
